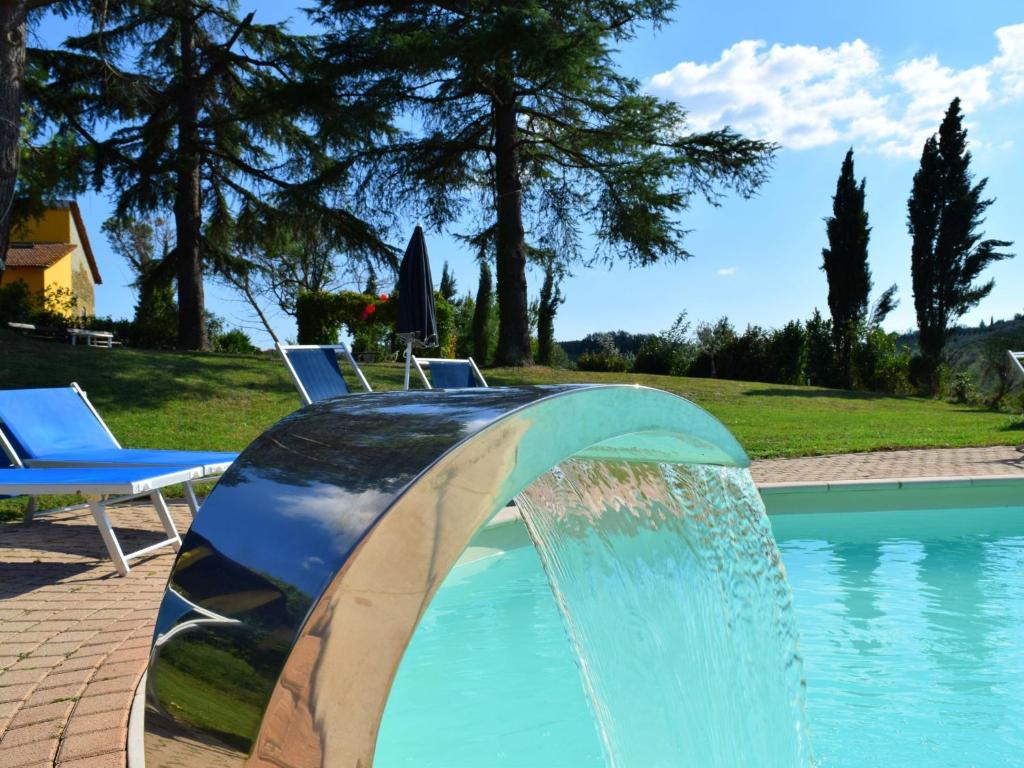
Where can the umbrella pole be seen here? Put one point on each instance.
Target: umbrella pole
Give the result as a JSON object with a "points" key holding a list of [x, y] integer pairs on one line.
{"points": [[408, 362]]}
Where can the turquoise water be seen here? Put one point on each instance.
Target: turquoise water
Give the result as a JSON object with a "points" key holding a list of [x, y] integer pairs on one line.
{"points": [[911, 632]]}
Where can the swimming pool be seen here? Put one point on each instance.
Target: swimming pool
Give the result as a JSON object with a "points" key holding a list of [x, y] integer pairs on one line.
{"points": [[912, 635]]}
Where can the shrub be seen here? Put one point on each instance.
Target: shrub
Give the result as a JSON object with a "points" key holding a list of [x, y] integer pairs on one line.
{"points": [[961, 389], [603, 362], [236, 341], [605, 358], [880, 365], [318, 317], [786, 353], [16, 303]]}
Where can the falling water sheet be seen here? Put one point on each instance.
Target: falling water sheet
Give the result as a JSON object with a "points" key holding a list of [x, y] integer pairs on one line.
{"points": [[673, 596]]}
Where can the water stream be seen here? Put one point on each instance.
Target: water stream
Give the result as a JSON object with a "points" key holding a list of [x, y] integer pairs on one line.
{"points": [[673, 595]]}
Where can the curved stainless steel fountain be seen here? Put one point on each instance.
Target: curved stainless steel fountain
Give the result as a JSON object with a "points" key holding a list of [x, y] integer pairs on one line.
{"points": [[306, 571]]}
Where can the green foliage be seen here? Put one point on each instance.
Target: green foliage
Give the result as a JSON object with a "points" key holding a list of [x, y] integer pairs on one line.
{"points": [[551, 299], [820, 355], [712, 338], [962, 390], [235, 341], [668, 353], [880, 365], [16, 303], [521, 104], [447, 288], [318, 317], [483, 326], [787, 353], [606, 358], [845, 262], [945, 214], [465, 309]]}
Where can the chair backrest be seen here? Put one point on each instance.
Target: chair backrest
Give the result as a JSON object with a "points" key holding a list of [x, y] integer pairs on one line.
{"points": [[41, 422], [316, 372], [449, 374], [1018, 360]]}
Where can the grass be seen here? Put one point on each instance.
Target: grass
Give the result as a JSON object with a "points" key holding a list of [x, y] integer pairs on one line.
{"points": [[222, 402]]}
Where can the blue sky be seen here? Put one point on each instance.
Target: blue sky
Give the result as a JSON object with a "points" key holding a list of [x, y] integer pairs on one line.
{"points": [[816, 77]]}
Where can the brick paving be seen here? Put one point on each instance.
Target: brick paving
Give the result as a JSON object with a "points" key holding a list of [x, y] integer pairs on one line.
{"points": [[1002, 461], [74, 637]]}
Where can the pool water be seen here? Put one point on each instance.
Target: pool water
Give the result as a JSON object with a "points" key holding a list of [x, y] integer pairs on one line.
{"points": [[911, 631]]}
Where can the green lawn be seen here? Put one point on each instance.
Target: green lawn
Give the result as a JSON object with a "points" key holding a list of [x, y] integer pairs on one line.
{"points": [[206, 401]]}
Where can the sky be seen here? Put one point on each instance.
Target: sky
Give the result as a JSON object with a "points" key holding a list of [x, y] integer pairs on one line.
{"points": [[818, 78]]}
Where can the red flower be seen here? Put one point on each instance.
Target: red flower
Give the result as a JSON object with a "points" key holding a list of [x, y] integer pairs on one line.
{"points": [[383, 297]]}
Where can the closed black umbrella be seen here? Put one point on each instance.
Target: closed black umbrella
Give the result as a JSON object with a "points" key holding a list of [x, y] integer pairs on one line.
{"points": [[417, 316]]}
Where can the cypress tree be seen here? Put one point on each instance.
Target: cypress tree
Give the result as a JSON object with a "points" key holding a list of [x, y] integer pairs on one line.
{"points": [[551, 299], [845, 262], [482, 315], [447, 288], [945, 213], [525, 117]]}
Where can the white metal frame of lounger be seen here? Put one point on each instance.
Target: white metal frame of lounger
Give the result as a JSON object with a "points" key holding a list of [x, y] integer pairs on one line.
{"points": [[284, 349], [420, 361], [99, 501], [31, 512], [1018, 360]]}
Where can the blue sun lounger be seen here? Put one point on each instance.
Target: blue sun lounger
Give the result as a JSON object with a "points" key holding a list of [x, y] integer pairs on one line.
{"points": [[103, 487], [315, 370], [59, 427], [449, 374]]}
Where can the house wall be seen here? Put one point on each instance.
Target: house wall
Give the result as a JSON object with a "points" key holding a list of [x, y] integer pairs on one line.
{"points": [[54, 226], [31, 276], [80, 276], [72, 273]]}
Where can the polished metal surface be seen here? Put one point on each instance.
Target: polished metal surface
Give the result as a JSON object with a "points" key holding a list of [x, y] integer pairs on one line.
{"points": [[306, 571]]}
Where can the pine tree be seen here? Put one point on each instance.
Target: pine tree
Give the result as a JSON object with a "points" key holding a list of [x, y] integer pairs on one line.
{"points": [[944, 215], [447, 288], [525, 117], [210, 115], [482, 316], [845, 262], [53, 170], [551, 299]]}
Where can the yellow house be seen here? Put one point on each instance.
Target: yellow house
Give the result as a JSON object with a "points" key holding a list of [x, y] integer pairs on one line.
{"points": [[53, 252]]}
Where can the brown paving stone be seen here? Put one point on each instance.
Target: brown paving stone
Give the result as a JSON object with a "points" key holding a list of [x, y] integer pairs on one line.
{"points": [[100, 721], [17, 693], [109, 760], [106, 702], [108, 671], [37, 661], [22, 676], [28, 755], [115, 684], [81, 745], [74, 661], [58, 710], [15, 737], [69, 692], [60, 679]]}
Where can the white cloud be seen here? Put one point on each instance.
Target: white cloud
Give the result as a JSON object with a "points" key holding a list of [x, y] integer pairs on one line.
{"points": [[726, 272], [805, 96]]}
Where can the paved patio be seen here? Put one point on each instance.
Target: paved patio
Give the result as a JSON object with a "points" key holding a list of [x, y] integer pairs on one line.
{"points": [[74, 637]]}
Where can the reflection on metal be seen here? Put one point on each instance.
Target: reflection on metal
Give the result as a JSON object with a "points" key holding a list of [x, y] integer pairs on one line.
{"points": [[305, 573]]}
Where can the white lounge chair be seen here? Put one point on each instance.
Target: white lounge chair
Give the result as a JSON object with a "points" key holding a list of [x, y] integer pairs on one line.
{"points": [[103, 487]]}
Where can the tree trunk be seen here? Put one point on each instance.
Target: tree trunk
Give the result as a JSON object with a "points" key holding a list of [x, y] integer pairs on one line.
{"points": [[514, 326], [188, 205], [12, 68]]}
